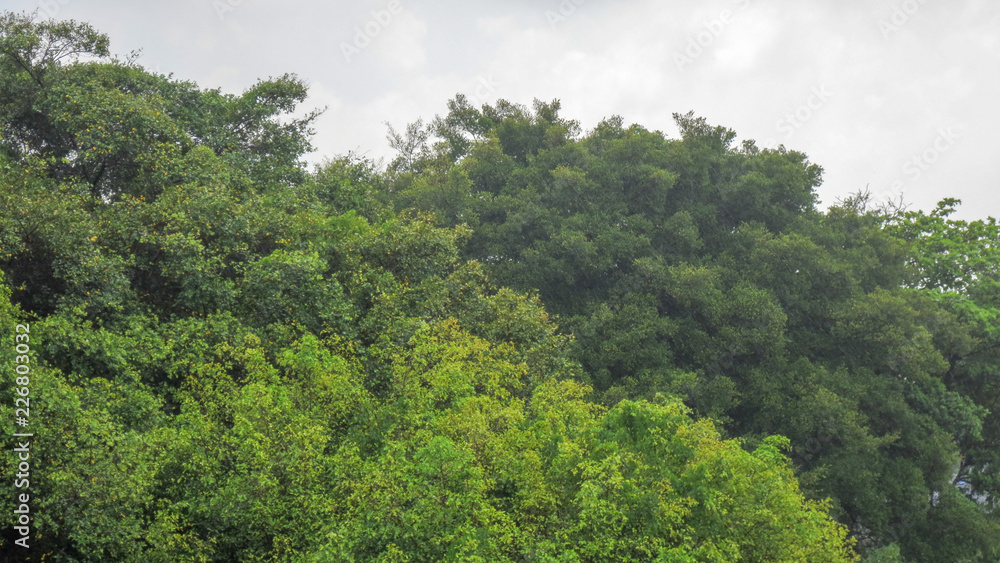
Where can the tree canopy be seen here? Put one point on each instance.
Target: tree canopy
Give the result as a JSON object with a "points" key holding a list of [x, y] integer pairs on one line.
{"points": [[690, 266], [515, 342]]}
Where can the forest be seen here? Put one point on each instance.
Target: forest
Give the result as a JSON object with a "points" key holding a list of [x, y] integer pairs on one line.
{"points": [[519, 340]]}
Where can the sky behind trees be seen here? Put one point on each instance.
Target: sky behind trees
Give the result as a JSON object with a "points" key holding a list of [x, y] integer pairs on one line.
{"points": [[896, 95]]}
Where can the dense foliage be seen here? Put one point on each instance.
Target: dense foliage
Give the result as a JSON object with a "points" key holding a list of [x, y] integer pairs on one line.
{"points": [[236, 359], [866, 335]]}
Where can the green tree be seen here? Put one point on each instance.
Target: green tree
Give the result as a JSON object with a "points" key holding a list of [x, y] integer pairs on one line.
{"points": [[692, 267], [111, 128]]}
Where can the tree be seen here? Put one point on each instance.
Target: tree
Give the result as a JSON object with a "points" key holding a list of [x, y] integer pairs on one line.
{"points": [[113, 128], [692, 267]]}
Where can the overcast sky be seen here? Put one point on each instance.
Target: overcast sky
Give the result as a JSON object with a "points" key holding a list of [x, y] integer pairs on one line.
{"points": [[899, 95]]}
